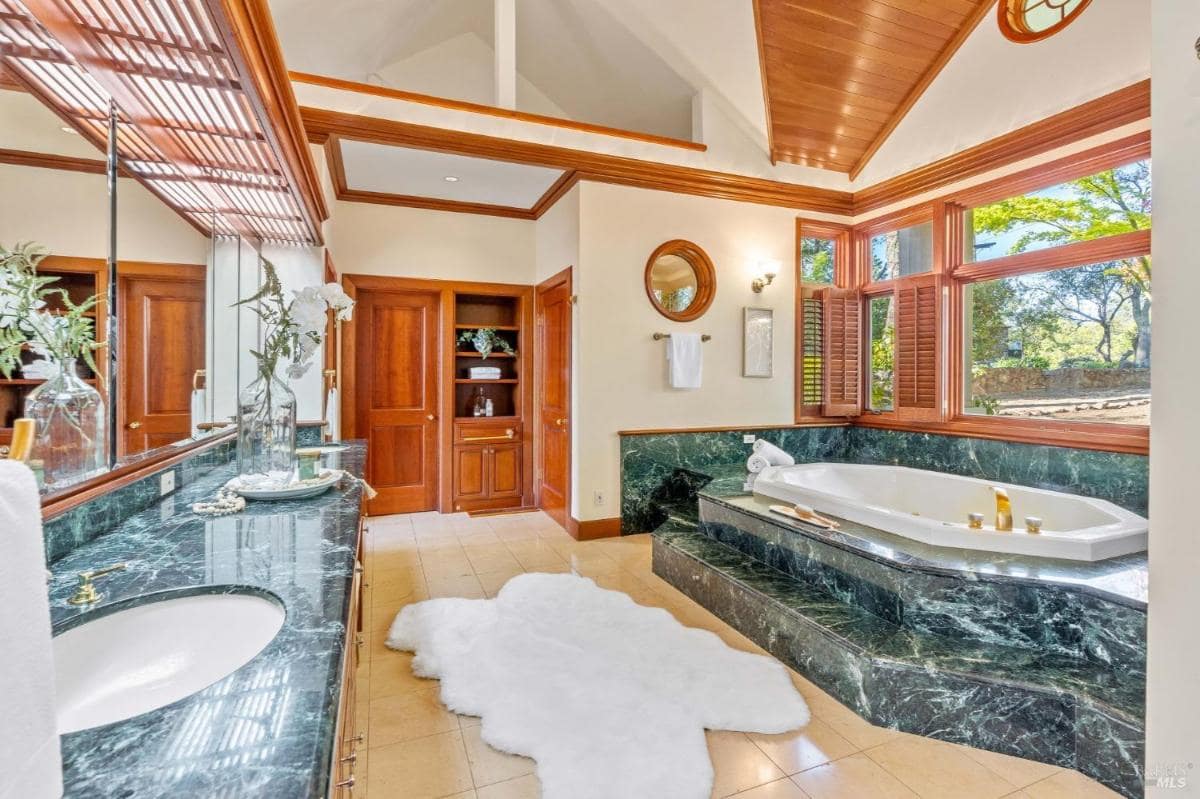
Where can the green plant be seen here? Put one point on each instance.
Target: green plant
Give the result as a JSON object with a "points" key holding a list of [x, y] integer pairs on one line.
{"points": [[25, 316], [987, 402], [485, 340]]}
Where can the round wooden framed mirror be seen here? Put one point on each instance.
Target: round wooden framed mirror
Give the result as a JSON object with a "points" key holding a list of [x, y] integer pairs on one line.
{"points": [[680, 280]]}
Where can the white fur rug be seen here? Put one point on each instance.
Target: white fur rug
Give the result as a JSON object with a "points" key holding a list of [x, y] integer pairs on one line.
{"points": [[611, 698]]}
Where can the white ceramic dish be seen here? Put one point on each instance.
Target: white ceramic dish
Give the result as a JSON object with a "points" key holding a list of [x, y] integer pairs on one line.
{"points": [[299, 490]]}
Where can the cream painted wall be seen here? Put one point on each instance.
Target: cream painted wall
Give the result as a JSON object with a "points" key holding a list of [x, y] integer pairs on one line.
{"points": [[621, 370], [1173, 684], [68, 213], [412, 242]]}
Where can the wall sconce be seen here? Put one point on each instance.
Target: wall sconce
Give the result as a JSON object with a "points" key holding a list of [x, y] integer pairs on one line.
{"points": [[760, 283]]}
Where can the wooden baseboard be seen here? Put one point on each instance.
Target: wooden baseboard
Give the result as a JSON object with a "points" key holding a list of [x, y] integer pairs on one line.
{"points": [[593, 529], [475, 514]]}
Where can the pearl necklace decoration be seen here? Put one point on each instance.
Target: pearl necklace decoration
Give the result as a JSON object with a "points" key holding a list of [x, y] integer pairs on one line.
{"points": [[225, 503]]}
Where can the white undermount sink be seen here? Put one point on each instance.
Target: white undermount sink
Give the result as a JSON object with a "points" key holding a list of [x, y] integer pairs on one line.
{"points": [[132, 661]]}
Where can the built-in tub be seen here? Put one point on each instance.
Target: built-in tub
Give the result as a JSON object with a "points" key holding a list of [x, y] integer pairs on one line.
{"points": [[932, 507]]}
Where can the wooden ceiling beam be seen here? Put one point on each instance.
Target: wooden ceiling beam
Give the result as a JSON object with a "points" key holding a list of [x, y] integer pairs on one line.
{"points": [[321, 124]]}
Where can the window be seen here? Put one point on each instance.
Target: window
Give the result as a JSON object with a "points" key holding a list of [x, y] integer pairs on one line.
{"points": [[882, 337], [1072, 344], [1110, 202], [817, 260], [1026, 21], [901, 253], [822, 261]]}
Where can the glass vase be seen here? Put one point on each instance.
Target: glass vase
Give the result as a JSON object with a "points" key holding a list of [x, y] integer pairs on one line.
{"points": [[69, 419], [267, 431]]}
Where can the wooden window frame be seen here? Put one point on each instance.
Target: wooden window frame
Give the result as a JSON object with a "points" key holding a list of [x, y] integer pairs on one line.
{"points": [[841, 236], [934, 213], [955, 274]]}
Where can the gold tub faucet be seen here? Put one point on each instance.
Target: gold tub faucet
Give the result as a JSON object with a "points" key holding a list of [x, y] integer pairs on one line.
{"points": [[1003, 510]]}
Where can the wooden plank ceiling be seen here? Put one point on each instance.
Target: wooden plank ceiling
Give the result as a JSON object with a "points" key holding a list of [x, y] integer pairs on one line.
{"points": [[839, 75]]}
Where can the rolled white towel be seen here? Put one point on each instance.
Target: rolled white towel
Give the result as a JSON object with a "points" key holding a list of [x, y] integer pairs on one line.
{"points": [[774, 455], [756, 463]]}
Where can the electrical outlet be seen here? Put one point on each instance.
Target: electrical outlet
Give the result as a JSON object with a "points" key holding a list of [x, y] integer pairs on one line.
{"points": [[598, 498], [166, 482], [747, 438]]}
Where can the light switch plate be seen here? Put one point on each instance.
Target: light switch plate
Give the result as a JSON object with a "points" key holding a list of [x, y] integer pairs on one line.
{"points": [[748, 438], [166, 482]]}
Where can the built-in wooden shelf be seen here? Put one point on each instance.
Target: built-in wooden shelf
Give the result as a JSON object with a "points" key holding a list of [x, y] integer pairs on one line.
{"points": [[512, 381], [480, 357], [509, 328]]}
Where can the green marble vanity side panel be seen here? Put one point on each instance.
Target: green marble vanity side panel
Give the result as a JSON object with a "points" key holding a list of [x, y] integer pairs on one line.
{"points": [[68, 531], [310, 435]]}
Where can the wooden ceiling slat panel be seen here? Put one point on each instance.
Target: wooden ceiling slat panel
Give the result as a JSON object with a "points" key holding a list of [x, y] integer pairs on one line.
{"points": [[838, 16], [838, 75], [881, 13]]}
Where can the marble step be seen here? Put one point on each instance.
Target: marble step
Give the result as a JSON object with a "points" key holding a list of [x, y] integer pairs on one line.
{"points": [[1066, 711]]}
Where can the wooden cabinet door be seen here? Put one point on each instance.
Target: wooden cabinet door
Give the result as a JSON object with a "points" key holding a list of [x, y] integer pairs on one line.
{"points": [[504, 471], [470, 474], [396, 397], [162, 347]]}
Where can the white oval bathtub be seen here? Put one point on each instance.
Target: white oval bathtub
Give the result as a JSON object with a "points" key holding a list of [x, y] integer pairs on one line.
{"points": [[932, 507]]}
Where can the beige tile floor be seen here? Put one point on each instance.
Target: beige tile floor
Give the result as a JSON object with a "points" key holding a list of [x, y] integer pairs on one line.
{"points": [[416, 749]]}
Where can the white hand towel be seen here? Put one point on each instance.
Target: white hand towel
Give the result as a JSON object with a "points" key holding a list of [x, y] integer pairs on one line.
{"points": [[199, 410], [333, 415], [756, 463], [30, 758], [686, 359], [774, 455]]}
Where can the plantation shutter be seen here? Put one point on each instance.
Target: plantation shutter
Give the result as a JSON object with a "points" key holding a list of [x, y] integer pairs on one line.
{"points": [[842, 327], [917, 334], [812, 353]]}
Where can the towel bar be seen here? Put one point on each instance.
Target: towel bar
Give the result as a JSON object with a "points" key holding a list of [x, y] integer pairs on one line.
{"points": [[661, 336]]}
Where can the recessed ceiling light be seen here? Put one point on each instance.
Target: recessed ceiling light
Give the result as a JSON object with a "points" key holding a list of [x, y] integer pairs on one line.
{"points": [[450, 179]]}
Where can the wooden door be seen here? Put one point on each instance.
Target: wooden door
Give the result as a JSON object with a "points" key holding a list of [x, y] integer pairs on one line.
{"points": [[504, 471], [162, 347], [553, 396], [396, 396]]}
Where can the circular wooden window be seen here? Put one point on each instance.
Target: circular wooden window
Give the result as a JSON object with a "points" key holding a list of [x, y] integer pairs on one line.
{"points": [[680, 280], [1026, 21]]}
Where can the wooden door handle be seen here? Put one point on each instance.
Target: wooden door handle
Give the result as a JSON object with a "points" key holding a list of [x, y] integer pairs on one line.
{"points": [[134, 425], [430, 417], [560, 422]]}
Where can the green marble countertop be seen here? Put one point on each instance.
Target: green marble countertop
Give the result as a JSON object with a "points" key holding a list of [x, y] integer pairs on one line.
{"points": [[267, 730]]}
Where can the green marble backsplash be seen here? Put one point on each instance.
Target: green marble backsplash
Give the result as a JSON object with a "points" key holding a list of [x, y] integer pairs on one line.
{"points": [[650, 463], [68, 531]]}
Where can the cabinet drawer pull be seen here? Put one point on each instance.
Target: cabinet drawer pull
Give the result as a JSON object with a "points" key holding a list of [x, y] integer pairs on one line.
{"points": [[350, 758], [348, 784], [508, 435]]}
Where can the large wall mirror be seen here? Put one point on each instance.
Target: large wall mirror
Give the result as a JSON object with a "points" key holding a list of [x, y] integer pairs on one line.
{"points": [[680, 280], [164, 285]]}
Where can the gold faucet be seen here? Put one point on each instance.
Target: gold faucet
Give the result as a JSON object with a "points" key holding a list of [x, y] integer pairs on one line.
{"points": [[87, 594], [1003, 510]]}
